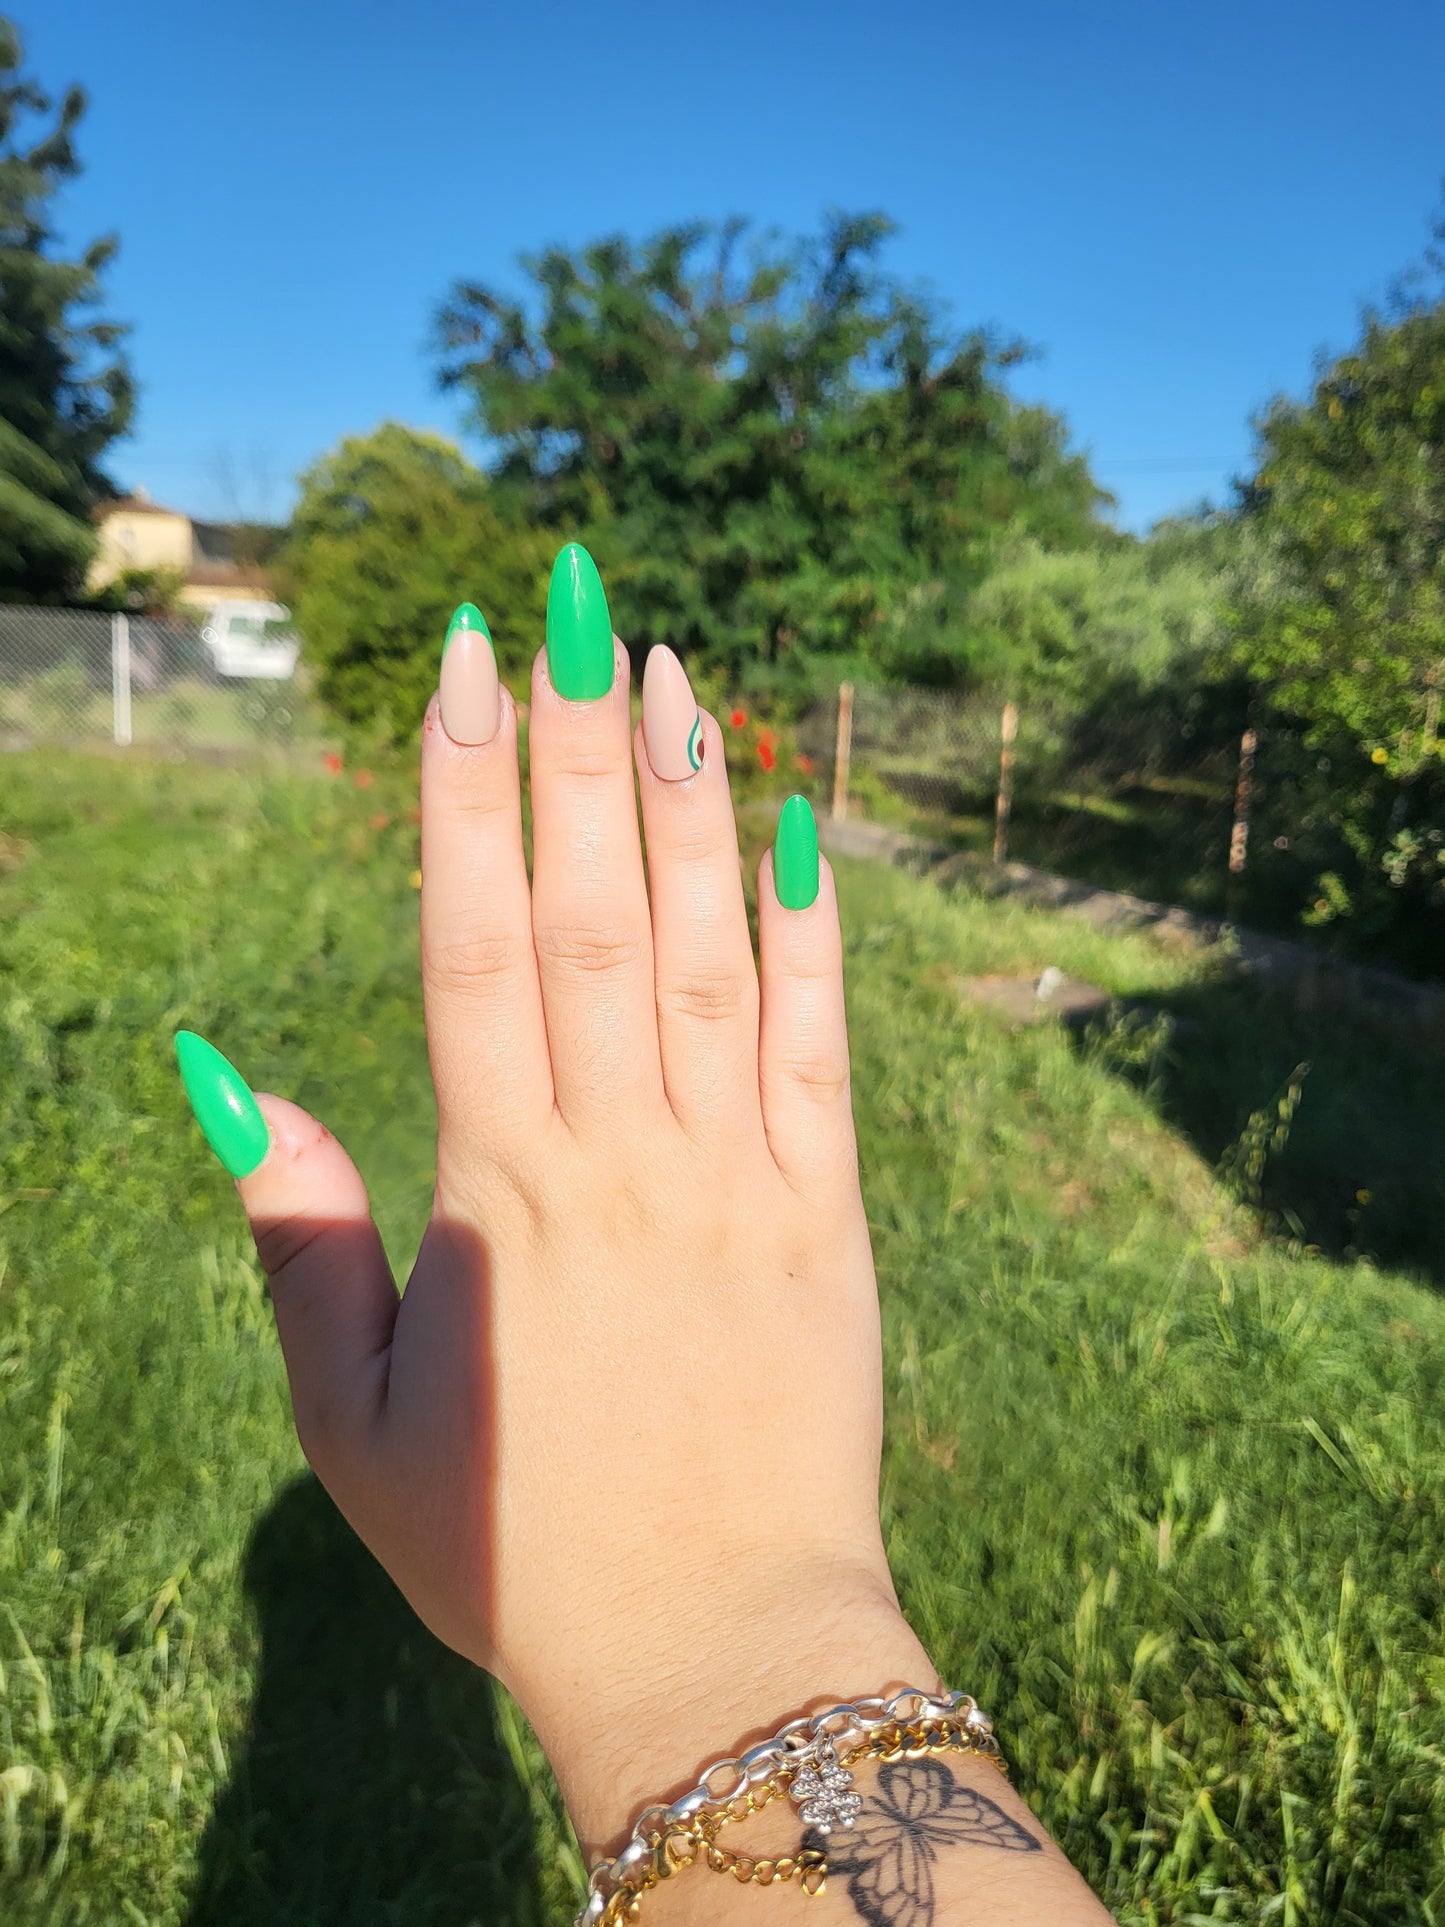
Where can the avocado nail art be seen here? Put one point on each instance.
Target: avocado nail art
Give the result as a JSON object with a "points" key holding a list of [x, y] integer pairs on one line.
{"points": [[228, 1115], [671, 725], [795, 855], [579, 628], [471, 696]]}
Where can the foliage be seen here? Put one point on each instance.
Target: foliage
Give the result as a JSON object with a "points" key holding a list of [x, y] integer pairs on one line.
{"points": [[65, 390], [1340, 617], [150, 592], [766, 447], [1049, 624], [1165, 1495], [392, 531]]}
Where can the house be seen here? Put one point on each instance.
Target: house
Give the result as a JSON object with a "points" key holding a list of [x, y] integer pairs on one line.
{"points": [[137, 533]]}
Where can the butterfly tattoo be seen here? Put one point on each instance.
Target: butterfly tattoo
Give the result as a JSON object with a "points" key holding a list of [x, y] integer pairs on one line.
{"points": [[887, 1854]]}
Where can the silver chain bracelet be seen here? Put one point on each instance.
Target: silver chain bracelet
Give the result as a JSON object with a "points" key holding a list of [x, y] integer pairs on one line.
{"points": [[805, 1752]]}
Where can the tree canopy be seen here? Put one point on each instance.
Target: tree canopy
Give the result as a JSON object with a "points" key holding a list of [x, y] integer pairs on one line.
{"points": [[1345, 615], [65, 389], [766, 444], [392, 530], [1339, 616]]}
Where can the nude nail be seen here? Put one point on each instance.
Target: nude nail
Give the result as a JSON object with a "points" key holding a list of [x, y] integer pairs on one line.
{"points": [[671, 726], [471, 701]]}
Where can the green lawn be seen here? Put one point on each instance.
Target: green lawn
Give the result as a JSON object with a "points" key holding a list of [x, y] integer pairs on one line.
{"points": [[1164, 1491]]}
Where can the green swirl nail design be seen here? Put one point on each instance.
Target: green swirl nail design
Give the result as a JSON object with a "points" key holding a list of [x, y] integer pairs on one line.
{"points": [[694, 745]]}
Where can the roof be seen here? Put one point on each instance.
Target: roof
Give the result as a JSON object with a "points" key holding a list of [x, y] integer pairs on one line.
{"points": [[138, 503]]}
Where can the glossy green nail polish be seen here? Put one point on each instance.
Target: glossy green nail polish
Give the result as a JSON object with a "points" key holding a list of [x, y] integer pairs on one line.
{"points": [[224, 1107], [579, 628], [468, 616], [795, 855]]}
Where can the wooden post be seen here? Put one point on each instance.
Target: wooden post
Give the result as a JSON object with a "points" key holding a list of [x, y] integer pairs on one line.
{"points": [[1243, 798], [843, 753], [1008, 730]]}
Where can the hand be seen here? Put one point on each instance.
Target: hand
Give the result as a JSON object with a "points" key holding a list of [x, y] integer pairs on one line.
{"points": [[619, 1440]]}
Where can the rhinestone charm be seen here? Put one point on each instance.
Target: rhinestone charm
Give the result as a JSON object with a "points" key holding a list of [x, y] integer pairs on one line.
{"points": [[823, 1793]]}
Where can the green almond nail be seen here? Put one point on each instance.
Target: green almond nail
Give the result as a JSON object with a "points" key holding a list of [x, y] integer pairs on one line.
{"points": [[579, 628], [795, 855], [468, 616], [221, 1098]]}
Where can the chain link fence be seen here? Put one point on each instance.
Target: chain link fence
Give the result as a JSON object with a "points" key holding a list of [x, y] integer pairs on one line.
{"points": [[81, 677], [1180, 809]]}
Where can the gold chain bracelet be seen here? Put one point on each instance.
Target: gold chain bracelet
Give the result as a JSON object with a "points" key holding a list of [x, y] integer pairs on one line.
{"points": [[805, 1762]]}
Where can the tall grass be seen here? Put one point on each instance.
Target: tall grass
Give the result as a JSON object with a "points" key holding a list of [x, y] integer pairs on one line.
{"points": [[1163, 1491]]}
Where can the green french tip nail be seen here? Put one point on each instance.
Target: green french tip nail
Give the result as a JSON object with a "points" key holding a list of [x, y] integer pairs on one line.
{"points": [[221, 1098], [579, 628], [468, 616], [795, 855]]}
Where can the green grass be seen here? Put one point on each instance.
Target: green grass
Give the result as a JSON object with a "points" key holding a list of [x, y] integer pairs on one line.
{"points": [[1163, 1491]]}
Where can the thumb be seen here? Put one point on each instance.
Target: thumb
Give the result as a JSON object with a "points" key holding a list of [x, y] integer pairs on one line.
{"points": [[331, 1286]]}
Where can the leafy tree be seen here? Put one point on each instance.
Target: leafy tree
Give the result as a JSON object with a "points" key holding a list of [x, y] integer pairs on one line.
{"points": [[1341, 616], [393, 529], [65, 390], [766, 447], [1345, 616]]}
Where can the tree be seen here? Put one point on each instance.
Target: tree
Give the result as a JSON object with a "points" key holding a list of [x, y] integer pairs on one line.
{"points": [[392, 531], [1345, 616], [65, 390], [764, 451], [1341, 617]]}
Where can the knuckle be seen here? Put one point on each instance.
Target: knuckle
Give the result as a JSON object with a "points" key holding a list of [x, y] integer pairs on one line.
{"points": [[821, 1076], [281, 1244], [696, 836], [460, 961], [589, 949], [581, 761], [706, 999]]}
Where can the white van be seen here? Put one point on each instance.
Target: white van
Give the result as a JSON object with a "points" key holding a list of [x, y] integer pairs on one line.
{"points": [[251, 639]]}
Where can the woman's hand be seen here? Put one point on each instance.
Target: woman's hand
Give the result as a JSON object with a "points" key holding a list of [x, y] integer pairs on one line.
{"points": [[619, 1440]]}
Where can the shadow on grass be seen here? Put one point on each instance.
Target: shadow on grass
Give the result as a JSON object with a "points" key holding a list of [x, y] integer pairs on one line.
{"points": [[1356, 1165], [373, 1789]]}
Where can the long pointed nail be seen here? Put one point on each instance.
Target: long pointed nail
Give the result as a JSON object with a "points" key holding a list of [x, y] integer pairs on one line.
{"points": [[579, 628], [795, 855], [225, 1110], [671, 726], [471, 699]]}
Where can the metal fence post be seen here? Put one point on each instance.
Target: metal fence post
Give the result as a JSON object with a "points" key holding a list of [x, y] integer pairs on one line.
{"points": [[1008, 729], [120, 678], [843, 753]]}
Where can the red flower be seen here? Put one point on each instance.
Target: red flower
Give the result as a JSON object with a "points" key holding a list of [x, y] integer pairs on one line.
{"points": [[331, 763], [804, 764], [767, 755], [364, 779], [739, 718], [379, 821]]}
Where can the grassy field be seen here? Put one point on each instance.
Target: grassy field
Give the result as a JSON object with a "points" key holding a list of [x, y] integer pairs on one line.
{"points": [[1162, 1487]]}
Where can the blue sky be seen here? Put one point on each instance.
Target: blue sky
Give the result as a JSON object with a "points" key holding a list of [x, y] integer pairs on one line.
{"points": [[1179, 204]]}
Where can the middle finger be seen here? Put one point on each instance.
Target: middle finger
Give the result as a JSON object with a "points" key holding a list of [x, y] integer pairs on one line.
{"points": [[590, 921]]}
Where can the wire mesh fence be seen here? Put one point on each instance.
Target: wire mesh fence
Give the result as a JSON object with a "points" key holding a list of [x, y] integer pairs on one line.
{"points": [[1194, 811], [1156, 805], [83, 677]]}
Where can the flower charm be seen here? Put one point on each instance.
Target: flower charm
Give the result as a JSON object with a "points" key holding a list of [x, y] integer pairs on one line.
{"points": [[823, 1795]]}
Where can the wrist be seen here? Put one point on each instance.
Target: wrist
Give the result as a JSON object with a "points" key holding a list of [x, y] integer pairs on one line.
{"points": [[725, 1680]]}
